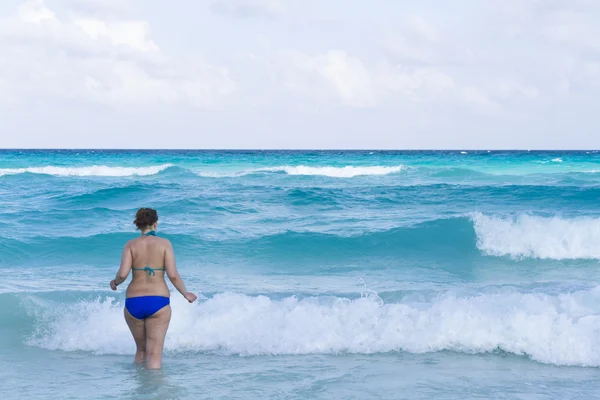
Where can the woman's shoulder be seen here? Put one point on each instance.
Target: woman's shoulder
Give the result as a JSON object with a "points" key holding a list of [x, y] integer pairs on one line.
{"points": [[164, 241], [158, 240]]}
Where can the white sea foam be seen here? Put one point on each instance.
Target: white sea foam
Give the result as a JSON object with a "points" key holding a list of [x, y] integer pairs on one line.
{"points": [[337, 172], [93, 170], [333, 172], [225, 174], [558, 159], [561, 330], [538, 237]]}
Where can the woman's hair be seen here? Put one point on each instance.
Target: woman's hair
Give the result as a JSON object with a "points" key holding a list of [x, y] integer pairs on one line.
{"points": [[145, 217]]}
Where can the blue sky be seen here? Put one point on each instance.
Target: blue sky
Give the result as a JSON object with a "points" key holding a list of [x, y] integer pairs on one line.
{"points": [[300, 74]]}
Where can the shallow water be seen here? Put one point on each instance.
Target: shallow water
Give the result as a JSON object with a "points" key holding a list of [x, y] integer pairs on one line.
{"points": [[323, 274]]}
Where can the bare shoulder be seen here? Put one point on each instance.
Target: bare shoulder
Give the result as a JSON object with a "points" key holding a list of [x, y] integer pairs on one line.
{"points": [[165, 243]]}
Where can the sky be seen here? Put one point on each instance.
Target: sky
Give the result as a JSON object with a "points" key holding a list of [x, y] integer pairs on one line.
{"points": [[300, 74]]}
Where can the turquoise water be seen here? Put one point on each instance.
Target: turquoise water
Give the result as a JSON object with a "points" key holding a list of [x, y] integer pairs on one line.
{"points": [[322, 274]]}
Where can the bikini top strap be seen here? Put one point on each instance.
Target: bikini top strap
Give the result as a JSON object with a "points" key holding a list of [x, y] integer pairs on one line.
{"points": [[150, 270]]}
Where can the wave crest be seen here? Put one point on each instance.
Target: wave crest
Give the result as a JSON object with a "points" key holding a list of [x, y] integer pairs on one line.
{"points": [[453, 239], [93, 170], [538, 237], [561, 330], [348, 171], [337, 172]]}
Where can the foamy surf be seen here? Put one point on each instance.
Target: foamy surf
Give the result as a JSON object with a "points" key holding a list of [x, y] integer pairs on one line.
{"points": [[93, 170], [337, 172], [348, 171], [538, 237], [559, 330]]}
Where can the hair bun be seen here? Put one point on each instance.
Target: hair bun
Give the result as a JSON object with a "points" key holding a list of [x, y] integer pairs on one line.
{"points": [[145, 217]]}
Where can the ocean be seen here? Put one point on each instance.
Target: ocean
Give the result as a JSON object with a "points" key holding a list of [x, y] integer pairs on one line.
{"points": [[320, 274]]}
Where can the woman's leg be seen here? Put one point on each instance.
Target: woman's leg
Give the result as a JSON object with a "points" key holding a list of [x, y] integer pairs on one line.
{"points": [[156, 331], [138, 330]]}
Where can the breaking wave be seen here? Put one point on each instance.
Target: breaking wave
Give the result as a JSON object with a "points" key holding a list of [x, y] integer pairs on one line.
{"points": [[561, 329], [538, 237], [94, 170], [332, 172]]}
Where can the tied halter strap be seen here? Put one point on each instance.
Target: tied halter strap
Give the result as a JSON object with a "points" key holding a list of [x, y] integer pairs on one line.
{"points": [[150, 270]]}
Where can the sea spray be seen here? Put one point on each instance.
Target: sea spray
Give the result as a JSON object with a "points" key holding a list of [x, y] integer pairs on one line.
{"points": [[561, 330]]}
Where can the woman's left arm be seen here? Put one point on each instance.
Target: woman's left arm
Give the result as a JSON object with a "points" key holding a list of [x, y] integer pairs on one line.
{"points": [[124, 269]]}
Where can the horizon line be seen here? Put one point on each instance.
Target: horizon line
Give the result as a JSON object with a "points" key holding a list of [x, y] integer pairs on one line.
{"points": [[286, 149]]}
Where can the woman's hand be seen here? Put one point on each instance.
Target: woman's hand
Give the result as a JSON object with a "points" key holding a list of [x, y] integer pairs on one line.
{"points": [[113, 285], [191, 297]]}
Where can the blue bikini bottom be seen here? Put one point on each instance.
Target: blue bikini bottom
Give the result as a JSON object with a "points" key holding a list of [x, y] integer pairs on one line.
{"points": [[145, 306]]}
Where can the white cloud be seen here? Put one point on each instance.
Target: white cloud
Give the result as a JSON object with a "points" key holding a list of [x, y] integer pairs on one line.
{"points": [[104, 8], [249, 8], [115, 63], [342, 76], [502, 73], [417, 41], [131, 83], [334, 72], [574, 29], [134, 34], [34, 12]]}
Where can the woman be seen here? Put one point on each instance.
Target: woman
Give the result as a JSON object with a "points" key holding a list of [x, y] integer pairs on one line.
{"points": [[147, 305]]}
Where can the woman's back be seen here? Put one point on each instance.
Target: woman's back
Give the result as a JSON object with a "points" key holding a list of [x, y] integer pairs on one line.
{"points": [[148, 262], [147, 304]]}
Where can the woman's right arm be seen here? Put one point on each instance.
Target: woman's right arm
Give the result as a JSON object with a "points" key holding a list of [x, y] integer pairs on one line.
{"points": [[124, 269], [173, 274]]}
